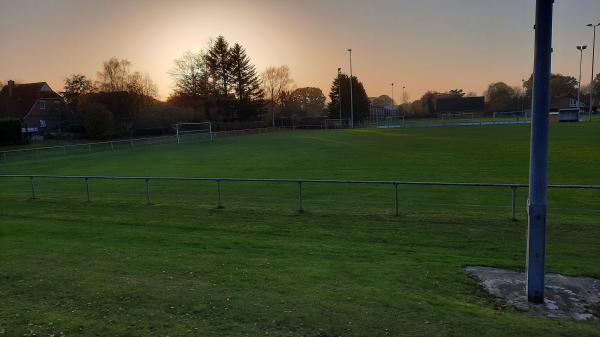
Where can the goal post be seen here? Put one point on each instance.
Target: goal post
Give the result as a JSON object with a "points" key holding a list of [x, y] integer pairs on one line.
{"points": [[331, 123], [457, 115], [187, 129], [509, 114]]}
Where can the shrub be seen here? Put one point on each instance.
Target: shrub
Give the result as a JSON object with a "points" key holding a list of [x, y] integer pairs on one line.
{"points": [[10, 132], [98, 121]]}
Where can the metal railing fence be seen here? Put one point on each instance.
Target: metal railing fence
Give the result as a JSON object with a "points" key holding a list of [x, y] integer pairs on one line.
{"points": [[300, 183]]}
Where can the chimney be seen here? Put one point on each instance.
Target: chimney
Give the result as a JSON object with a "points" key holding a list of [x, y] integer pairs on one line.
{"points": [[11, 87]]}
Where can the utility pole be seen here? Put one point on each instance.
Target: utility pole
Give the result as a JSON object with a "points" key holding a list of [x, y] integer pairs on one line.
{"points": [[581, 49], [538, 169], [593, 60], [523, 100], [340, 92], [273, 105], [351, 98], [403, 100]]}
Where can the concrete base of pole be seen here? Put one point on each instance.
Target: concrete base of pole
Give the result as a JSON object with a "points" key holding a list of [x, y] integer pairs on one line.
{"points": [[566, 297]]}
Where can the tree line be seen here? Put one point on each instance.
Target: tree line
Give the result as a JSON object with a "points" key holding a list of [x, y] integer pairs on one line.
{"points": [[220, 84], [499, 96]]}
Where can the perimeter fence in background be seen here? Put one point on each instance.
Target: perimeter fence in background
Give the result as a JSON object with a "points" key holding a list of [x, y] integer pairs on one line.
{"points": [[112, 145]]}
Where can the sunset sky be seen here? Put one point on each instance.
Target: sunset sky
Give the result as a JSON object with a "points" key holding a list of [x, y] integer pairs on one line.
{"points": [[420, 44]]}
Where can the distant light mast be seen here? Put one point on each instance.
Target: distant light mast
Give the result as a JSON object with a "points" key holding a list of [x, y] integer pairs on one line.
{"points": [[351, 98], [581, 49], [593, 60]]}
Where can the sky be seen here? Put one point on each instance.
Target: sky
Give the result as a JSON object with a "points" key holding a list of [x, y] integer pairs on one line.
{"points": [[419, 44]]}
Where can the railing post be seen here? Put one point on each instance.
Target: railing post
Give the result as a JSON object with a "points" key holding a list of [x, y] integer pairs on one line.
{"points": [[87, 189], [300, 201], [396, 190], [89, 147], [112, 146], [148, 199], [33, 194], [220, 202], [514, 203], [64, 150]]}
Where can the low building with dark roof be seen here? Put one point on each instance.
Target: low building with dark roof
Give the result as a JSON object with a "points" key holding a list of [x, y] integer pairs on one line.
{"points": [[39, 108], [459, 104]]}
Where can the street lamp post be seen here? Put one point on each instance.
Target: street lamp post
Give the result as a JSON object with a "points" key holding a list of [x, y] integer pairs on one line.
{"points": [[351, 98], [403, 100], [581, 49], [340, 92], [538, 162], [523, 100], [593, 59]]}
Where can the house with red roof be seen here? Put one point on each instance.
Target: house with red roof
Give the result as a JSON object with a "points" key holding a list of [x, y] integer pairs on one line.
{"points": [[40, 109]]}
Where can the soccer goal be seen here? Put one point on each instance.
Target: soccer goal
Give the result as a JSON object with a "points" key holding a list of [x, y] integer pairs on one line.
{"points": [[194, 131], [509, 115], [457, 115], [334, 124]]}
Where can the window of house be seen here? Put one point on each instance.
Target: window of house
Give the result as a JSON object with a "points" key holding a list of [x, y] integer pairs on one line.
{"points": [[42, 105], [42, 123]]}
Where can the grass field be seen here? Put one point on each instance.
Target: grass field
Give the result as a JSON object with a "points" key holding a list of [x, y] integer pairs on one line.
{"points": [[346, 267]]}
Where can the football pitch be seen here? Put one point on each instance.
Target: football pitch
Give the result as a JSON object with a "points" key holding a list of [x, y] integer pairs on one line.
{"points": [[345, 267]]}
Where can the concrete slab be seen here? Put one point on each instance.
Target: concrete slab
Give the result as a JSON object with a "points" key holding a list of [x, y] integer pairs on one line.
{"points": [[566, 297]]}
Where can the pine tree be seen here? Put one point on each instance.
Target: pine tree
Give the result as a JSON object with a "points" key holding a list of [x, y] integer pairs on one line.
{"points": [[359, 95], [246, 83], [218, 64]]}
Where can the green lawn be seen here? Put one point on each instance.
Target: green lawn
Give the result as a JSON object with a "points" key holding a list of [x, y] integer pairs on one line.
{"points": [[346, 267]]}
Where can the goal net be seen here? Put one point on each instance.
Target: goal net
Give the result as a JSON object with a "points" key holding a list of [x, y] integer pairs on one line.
{"points": [[193, 131], [334, 123], [457, 115], [510, 115]]}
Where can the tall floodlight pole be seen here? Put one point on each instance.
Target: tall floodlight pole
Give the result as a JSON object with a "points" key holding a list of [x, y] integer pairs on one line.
{"points": [[538, 167], [403, 100], [523, 100], [392, 93], [581, 49], [593, 60], [351, 98], [340, 92]]}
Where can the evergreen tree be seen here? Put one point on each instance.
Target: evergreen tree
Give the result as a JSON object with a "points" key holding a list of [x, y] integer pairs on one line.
{"points": [[359, 95], [221, 82], [219, 65], [246, 84]]}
